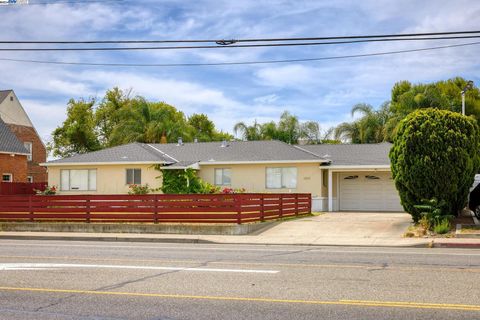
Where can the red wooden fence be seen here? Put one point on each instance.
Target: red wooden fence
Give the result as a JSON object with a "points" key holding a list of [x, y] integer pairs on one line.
{"points": [[15, 188], [210, 208]]}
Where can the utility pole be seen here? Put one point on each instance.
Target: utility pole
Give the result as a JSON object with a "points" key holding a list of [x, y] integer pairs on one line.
{"points": [[467, 87]]}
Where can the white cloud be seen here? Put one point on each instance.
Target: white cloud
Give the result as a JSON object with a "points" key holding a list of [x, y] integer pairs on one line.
{"points": [[323, 91], [267, 99]]}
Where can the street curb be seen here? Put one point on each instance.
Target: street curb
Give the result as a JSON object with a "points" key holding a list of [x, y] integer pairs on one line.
{"points": [[467, 245], [105, 239], [197, 241]]}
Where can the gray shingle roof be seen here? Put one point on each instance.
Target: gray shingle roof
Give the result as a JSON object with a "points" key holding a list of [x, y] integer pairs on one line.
{"points": [[9, 142], [353, 154], [189, 153], [4, 94], [236, 151], [133, 152]]}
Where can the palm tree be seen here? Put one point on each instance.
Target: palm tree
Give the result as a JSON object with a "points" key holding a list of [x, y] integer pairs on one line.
{"points": [[369, 128], [249, 133], [149, 122]]}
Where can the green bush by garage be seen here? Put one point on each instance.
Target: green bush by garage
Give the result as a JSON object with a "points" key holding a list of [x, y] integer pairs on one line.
{"points": [[435, 155]]}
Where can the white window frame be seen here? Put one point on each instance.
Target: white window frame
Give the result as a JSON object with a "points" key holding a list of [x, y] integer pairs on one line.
{"points": [[29, 149], [283, 183], [90, 183], [30, 179], [7, 174], [222, 182], [133, 176]]}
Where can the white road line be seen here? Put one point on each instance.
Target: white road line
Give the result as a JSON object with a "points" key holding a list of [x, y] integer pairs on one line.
{"points": [[50, 266]]}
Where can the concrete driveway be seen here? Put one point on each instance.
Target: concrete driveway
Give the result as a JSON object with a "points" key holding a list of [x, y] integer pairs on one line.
{"points": [[342, 228]]}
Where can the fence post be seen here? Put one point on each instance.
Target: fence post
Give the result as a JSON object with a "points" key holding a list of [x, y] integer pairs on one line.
{"points": [[281, 205], [30, 208], [296, 204], [238, 207], [262, 207], [309, 206], [88, 210], [155, 214]]}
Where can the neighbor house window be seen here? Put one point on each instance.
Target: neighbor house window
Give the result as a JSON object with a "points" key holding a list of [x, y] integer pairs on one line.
{"points": [[134, 176], [7, 177], [81, 180], [277, 178], [28, 146], [29, 179], [223, 177]]}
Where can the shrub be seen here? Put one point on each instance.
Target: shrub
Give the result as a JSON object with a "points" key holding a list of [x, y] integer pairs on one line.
{"points": [[181, 181], [49, 191], [432, 211], [435, 155], [442, 226], [233, 191], [208, 188], [138, 189]]}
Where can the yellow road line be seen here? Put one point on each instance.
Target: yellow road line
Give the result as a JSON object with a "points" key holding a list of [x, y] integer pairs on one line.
{"points": [[292, 265], [360, 303]]}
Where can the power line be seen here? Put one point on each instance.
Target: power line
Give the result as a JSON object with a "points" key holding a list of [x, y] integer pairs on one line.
{"points": [[231, 41], [239, 62], [235, 46], [59, 2]]}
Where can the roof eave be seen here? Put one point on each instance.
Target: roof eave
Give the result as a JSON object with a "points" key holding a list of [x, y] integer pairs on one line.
{"points": [[358, 167], [261, 162], [55, 164]]}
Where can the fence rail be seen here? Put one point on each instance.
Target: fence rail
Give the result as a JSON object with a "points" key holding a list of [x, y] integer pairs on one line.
{"points": [[20, 188], [215, 208]]}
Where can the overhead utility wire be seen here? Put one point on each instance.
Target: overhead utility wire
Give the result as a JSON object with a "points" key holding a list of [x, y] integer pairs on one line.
{"points": [[58, 2], [240, 62], [233, 46], [231, 41]]}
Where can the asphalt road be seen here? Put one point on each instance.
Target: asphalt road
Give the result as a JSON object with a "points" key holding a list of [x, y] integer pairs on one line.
{"points": [[112, 280]]}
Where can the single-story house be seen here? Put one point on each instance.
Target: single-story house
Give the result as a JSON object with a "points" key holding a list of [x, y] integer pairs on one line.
{"points": [[342, 177]]}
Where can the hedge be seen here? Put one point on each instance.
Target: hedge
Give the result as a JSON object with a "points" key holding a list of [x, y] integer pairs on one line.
{"points": [[435, 154]]}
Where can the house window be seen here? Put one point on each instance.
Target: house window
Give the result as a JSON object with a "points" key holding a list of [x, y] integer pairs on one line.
{"points": [[223, 177], [28, 146], [30, 179], [278, 178], [78, 180], [134, 176], [7, 177]]}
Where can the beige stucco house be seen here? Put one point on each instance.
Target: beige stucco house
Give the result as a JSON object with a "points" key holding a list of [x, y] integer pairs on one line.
{"points": [[339, 177]]}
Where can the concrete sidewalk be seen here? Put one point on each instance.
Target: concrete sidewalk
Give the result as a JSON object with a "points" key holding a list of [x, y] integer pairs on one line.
{"points": [[331, 229]]}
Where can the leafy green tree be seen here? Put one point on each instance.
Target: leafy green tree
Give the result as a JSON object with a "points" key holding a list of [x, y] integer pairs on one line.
{"points": [[204, 129], [435, 155], [181, 181], [148, 122], [407, 97], [381, 125], [108, 113], [77, 133], [288, 129]]}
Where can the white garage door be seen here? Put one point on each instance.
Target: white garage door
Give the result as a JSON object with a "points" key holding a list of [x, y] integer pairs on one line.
{"points": [[368, 191]]}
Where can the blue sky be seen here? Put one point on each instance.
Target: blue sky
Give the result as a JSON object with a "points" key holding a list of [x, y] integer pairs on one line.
{"points": [[323, 91]]}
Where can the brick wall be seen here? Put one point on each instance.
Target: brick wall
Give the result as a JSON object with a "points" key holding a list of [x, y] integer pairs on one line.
{"points": [[39, 154], [16, 165]]}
